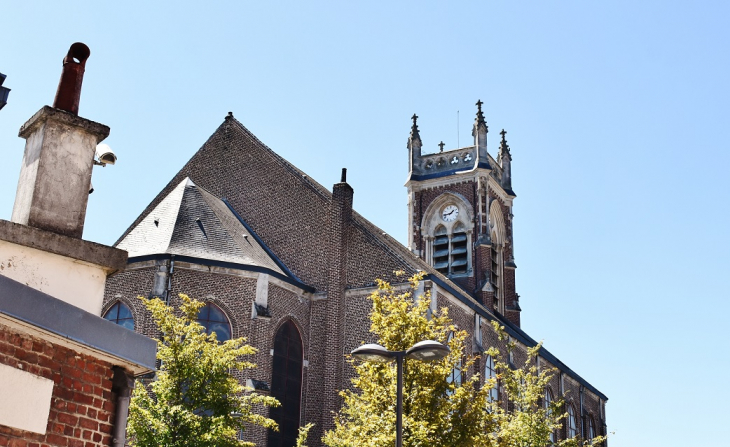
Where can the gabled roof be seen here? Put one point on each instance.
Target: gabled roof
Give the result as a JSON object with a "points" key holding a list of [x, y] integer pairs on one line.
{"points": [[191, 222], [290, 212]]}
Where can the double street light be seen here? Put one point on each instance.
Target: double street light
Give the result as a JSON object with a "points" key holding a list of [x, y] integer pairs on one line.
{"points": [[425, 351]]}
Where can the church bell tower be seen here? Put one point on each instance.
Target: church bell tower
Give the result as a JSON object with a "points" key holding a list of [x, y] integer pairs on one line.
{"points": [[460, 216]]}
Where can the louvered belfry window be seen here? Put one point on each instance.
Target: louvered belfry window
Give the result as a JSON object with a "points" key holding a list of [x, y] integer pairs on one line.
{"points": [[459, 251], [441, 250], [451, 251], [286, 385]]}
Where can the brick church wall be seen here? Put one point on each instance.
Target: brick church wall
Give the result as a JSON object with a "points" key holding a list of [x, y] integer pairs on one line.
{"points": [[82, 402]]}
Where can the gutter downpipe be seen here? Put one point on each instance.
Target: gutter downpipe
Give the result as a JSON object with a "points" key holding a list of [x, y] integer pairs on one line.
{"points": [[122, 385], [170, 271]]}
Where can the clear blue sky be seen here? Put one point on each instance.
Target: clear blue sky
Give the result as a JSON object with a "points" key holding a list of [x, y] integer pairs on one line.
{"points": [[617, 114]]}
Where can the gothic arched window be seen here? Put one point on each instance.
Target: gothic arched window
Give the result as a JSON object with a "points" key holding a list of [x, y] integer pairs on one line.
{"points": [[572, 426], [120, 314], [547, 402], [455, 374], [591, 428], [286, 385], [447, 232], [490, 372], [212, 318]]}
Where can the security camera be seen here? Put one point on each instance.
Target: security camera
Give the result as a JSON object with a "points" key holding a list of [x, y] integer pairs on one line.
{"points": [[105, 155]]}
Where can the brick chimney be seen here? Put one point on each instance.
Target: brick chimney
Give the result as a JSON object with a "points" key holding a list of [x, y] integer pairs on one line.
{"points": [[340, 215]]}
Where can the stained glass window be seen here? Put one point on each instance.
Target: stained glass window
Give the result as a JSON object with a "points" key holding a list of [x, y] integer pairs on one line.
{"points": [[214, 320], [120, 314]]}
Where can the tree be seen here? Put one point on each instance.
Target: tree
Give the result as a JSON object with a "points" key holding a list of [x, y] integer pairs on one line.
{"points": [[195, 401], [529, 423], [438, 410]]}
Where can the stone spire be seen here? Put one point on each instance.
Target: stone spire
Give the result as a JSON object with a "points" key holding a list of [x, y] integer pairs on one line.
{"points": [[414, 144], [505, 160], [479, 132]]}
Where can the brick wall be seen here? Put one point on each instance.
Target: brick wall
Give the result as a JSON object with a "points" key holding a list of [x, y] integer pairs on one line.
{"points": [[297, 219], [82, 403]]}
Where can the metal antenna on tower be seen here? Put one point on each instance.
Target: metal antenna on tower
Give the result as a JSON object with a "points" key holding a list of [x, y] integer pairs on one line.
{"points": [[458, 145]]}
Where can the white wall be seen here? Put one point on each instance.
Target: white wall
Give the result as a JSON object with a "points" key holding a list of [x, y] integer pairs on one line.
{"points": [[75, 282]]}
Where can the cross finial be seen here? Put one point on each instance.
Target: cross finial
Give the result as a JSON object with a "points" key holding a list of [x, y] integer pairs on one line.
{"points": [[479, 105], [503, 147], [414, 129], [441, 146]]}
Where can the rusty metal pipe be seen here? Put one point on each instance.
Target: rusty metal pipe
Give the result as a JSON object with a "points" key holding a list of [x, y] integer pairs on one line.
{"points": [[69, 87]]}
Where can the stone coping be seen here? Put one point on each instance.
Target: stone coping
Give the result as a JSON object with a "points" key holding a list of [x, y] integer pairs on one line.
{"points": [[47, 112], [109, 258]]}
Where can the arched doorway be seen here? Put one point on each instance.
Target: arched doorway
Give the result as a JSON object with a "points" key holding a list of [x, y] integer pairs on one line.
{"points": [[286, 385]]}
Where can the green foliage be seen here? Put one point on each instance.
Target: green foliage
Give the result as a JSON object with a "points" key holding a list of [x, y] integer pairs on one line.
{"points": [[195, 401], [303, 433], [529, 424], [437, 412]]}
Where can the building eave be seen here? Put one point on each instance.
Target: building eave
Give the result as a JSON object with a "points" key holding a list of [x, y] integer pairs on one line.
{"points": [[515, 332], [37, 313]]}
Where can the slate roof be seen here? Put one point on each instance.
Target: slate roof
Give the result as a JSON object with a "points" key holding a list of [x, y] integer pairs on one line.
{"points": [[190, 221]]}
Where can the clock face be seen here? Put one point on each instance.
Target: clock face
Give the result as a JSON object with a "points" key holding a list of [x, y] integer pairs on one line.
{"points": [[450, 213]]}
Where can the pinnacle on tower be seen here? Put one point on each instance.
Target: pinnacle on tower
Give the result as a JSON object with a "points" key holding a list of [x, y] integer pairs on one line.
{"points": [[504, 158], [503, 146], [480, 115], [414, 129], [479, 132], [414, 144]]}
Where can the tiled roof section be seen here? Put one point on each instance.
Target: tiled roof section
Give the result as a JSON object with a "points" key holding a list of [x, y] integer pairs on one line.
{"points": [[287, 210], [153, 233], [192, 222]]}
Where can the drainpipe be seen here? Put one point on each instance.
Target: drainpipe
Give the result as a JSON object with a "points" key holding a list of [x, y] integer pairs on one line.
{"points": [[582, 414], [169, 279], [122, 385]]}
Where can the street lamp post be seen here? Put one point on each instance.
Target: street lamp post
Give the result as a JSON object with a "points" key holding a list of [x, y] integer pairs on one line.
{"points": [[425, 351]]}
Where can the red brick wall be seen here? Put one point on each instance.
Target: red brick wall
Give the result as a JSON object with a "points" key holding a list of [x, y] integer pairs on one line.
{"points": [[82, 403]]}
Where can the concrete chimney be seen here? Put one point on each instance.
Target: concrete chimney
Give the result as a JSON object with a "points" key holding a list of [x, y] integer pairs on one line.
{"points": [[55, 176]]}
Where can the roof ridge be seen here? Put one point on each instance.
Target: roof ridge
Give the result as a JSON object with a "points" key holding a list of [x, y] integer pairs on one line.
{"points": [[316, 186]]}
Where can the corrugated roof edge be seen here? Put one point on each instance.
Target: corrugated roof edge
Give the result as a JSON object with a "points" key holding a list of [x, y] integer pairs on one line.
{"points": [[230, 265], [518, 334]]}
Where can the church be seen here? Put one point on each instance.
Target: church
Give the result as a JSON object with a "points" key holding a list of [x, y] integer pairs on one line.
{"points": [[287, 263]]}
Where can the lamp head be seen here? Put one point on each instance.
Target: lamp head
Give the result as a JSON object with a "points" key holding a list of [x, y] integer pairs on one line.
{"points": [[428, 351], [372, 352]]}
